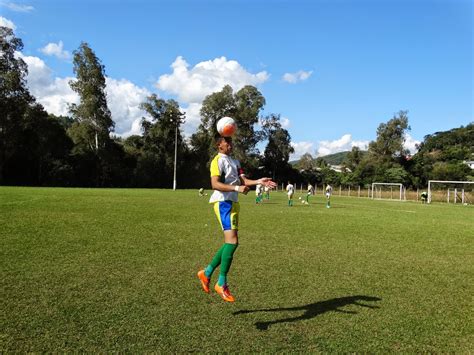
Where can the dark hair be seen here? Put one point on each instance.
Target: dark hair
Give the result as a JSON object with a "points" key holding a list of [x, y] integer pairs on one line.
{"points": [[219, 139]]}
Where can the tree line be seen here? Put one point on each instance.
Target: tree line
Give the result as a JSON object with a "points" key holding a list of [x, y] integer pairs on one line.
{"points": [[40, 149]]}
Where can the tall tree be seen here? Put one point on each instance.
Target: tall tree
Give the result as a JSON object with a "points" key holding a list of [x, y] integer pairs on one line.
{"points": [[93, 120], [385, 159], [353, 158], [14, 95], [306, 162], [244, 106], [278, 150], [155, 166], [248, 104], [390, 138]]}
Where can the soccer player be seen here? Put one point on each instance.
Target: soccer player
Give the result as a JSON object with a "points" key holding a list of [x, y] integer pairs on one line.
{"points": [[328, 196], [267, 192], [258, 193], [201, 192], [310, 192], [290, 190], [424, 197], [227, 180]]}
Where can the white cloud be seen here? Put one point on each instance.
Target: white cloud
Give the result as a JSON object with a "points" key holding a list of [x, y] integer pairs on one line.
{"points": [[55, 94], [124, 99], [193, 85], [285, 122], [293, 78], [301, 148], [55, 49], [7, 23], [342, 144], [193, 118], [410, 143], [17, 7]]}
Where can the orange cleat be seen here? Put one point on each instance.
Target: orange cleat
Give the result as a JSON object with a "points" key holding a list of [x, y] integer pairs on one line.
{"points": [[224, 292], [204, 281]]}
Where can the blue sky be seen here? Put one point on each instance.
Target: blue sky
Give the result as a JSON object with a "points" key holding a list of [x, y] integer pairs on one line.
{"points": [[334, 70]]}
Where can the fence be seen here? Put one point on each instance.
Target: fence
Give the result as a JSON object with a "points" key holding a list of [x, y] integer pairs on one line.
{"points": [[445, 195]]}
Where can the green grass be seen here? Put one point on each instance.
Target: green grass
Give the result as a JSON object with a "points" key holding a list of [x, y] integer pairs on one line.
{"points": [[102, 270]]}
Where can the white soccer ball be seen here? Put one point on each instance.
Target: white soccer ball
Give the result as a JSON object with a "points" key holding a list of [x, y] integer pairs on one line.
{"points": [[226, 126]]}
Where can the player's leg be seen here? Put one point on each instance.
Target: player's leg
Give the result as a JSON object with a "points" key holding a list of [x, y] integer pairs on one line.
{"points": [[231, 243], [222, 211]]}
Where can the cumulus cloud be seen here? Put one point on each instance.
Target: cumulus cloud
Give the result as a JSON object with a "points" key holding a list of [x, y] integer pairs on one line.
{"points": [[55, 94], [299, 76], [410, 144], [4, 22], [342, 144], [193, 118], [192, 85], [301, 148], [17, 7], [55, 49], [124, 99]]}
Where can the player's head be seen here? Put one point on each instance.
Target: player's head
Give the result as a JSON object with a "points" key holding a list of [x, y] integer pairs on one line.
{"points": [[224, 144]]}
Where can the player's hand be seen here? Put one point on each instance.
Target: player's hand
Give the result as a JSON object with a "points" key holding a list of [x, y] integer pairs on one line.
{"points": [[243, 189], [267, 182]]}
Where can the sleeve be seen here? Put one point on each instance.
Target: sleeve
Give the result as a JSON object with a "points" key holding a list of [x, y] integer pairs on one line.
{"points": [[215, 170]]}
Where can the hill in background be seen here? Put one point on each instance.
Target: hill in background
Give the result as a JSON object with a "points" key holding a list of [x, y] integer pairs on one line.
{"points": [[331, 159]]}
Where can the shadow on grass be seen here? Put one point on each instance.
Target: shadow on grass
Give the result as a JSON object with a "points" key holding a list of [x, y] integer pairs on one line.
{"points": [[314, 309]]}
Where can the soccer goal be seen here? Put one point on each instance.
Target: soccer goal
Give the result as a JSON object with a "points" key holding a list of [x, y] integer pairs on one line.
{"points": [[451, 191], [388, 191]]}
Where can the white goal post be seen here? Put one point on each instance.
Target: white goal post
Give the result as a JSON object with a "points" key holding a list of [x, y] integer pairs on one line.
{"points": [[457, 190], [377, 190]]}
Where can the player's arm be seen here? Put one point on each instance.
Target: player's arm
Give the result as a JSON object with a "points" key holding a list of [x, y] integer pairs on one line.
{"points": [[262, 181], [220, 186]]}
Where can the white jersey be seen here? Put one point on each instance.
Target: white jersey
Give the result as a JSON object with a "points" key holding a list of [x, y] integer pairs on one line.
{"points": [[328, 190], [258, 189], [310, 189], [229, 171], [290, 189]]}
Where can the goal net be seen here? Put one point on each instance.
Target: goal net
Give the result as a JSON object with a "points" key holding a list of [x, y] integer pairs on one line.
{"points": [[451, 191], [388, 191]]}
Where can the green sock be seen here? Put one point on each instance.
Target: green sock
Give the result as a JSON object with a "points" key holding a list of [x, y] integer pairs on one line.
{"points": [[216, 261], [226, 261]]}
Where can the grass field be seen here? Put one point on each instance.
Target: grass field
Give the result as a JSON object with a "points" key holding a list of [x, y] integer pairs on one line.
{"points": [[102, 270]]}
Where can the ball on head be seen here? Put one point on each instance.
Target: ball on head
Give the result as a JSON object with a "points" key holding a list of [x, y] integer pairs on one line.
{"points": [[226, 126]]}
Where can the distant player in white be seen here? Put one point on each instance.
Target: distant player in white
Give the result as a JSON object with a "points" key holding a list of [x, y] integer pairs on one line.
{"points": [[328, 196], [266, 189], [310, 192], [290, 189], [258, 193]]}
